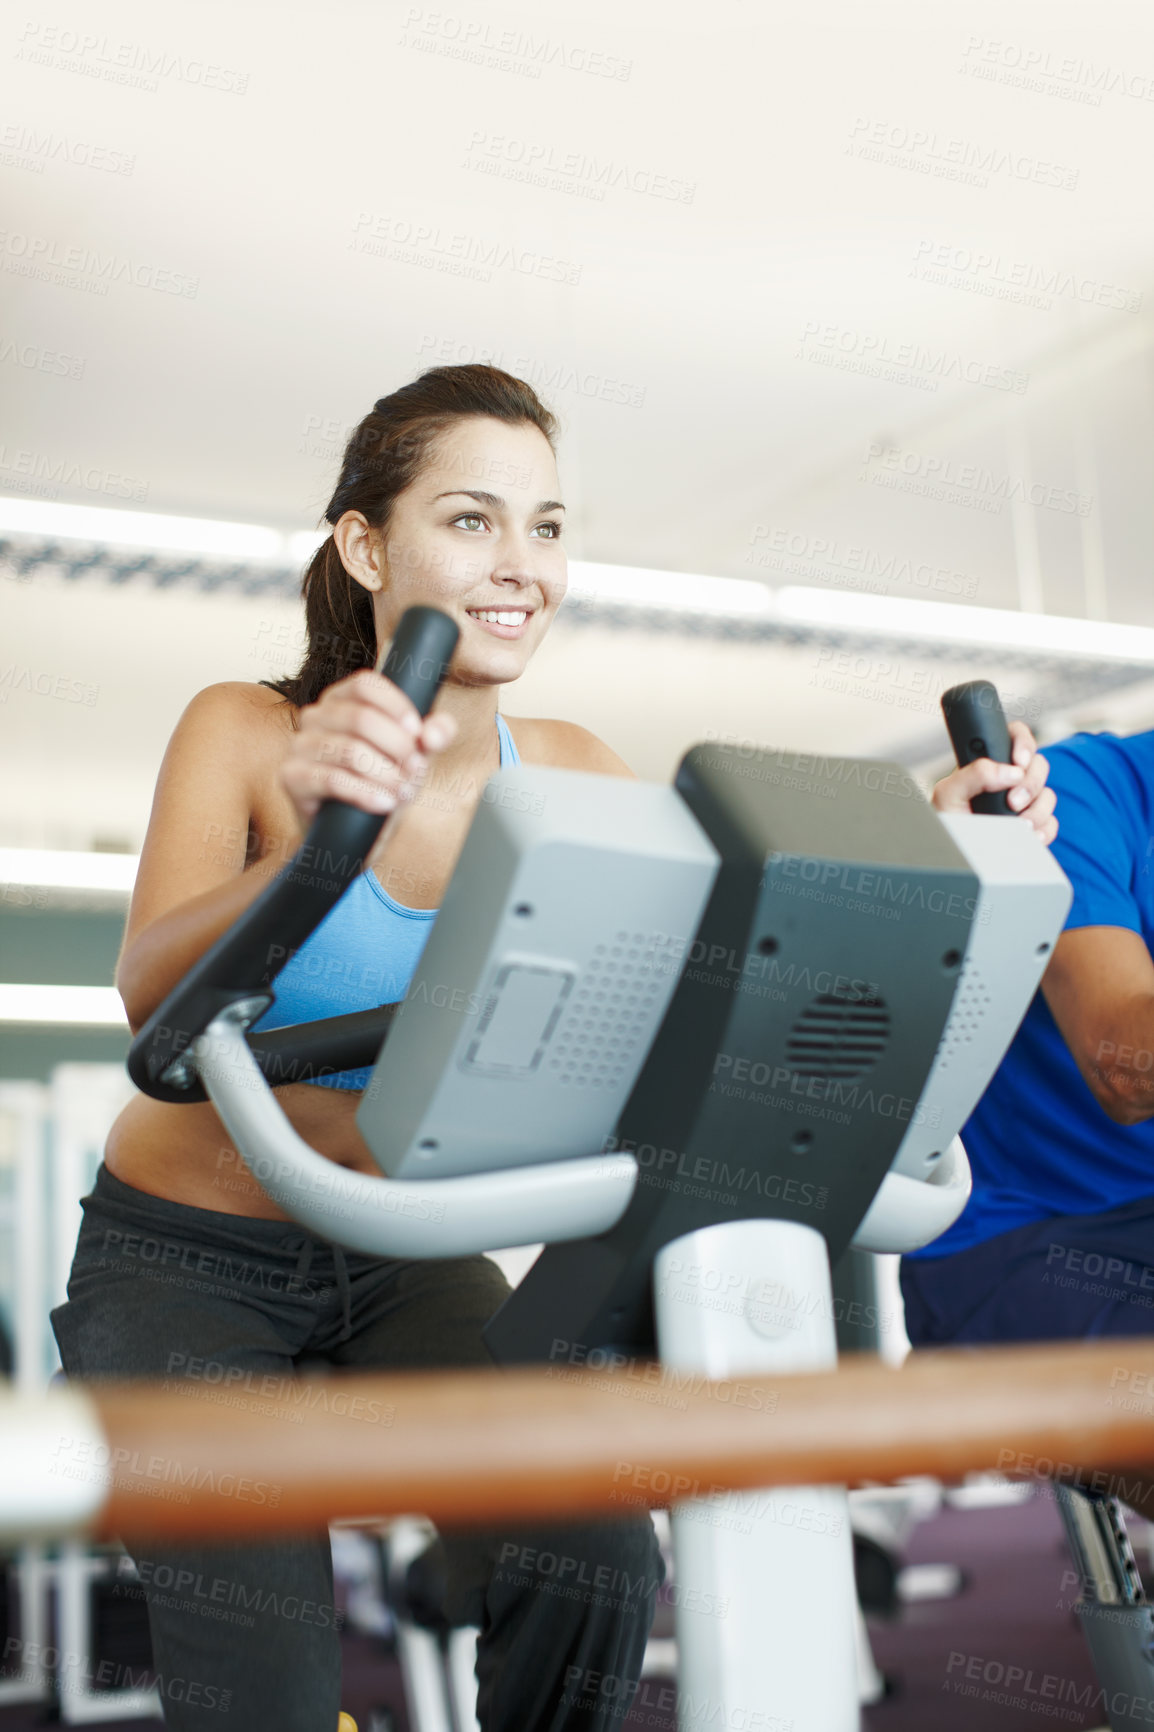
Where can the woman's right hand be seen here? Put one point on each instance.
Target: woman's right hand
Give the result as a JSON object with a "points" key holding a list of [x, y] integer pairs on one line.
{"points": [[363, 741]]}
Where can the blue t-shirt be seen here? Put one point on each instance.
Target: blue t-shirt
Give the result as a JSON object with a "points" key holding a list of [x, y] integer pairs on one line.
{"points": [[1038, 1142]]}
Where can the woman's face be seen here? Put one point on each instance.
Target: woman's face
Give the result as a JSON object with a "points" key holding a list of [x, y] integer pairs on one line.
{"points": [[477, 534]]}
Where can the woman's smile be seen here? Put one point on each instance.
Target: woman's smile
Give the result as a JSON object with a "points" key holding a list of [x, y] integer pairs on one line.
{"points": [[506, 622]]}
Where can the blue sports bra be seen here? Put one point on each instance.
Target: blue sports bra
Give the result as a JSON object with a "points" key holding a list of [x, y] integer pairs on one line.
{"points": [[363, 953]]}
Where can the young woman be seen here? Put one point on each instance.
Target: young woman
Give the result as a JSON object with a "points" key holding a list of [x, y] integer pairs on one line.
{"points": [[448, 494]]}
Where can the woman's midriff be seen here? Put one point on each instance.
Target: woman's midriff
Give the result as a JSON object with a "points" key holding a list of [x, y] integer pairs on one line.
{"points": [[184, 1153]]}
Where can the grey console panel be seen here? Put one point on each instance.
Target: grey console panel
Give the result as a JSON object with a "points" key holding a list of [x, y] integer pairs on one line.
{"points": [[1022, 905], [545, 978]]}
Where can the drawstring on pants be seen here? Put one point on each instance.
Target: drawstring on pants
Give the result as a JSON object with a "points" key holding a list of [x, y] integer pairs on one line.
{"points": [[306, 1245]]}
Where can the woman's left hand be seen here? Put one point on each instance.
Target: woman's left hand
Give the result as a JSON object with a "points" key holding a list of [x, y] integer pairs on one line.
{"points": [[1025, 779]]}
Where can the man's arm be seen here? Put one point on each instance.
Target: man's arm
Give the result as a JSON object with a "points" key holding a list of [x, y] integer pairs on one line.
{"points": [[1100, 990]]}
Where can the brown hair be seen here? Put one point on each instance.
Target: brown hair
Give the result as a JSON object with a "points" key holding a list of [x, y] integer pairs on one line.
{"points": [[383, 455]]}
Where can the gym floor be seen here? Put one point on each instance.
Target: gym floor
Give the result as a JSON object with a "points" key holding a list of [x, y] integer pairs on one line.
{"points": [[992, 1659], [949, 1660]]}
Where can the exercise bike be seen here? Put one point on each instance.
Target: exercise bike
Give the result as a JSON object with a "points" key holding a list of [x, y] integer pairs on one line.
{"points": [[699, 1040]]}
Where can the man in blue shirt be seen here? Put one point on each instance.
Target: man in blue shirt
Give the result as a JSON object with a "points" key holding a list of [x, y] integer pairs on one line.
{"points": [[1057, 1239]]}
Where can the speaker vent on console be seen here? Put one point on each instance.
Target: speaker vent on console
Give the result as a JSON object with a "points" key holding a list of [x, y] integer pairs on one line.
{"points": [[970, 1007], [838, 1037], [600, 1032]]}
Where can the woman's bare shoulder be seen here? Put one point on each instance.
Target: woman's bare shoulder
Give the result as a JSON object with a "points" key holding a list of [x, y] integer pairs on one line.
{"points": [[566, 745], [238, 725], [247, 694], [245, 702]]}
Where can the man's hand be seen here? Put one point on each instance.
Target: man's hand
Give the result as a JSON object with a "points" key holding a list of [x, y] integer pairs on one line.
{"points": [[1025, 778]]}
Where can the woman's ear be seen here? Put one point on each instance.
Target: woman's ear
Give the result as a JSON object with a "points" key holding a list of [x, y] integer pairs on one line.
{"points": [[361, 548]]}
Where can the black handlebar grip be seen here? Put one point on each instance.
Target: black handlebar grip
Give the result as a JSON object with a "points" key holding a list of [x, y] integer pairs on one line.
{"points": [[977, 729], [247, 958], [417, 662], [419, 655]]}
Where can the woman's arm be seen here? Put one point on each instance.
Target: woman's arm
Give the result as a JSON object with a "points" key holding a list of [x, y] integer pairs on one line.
{"points": [[191, 883], [229, 753], [1025, 778]]}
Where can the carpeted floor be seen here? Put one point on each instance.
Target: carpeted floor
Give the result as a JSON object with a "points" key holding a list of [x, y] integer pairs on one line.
{"points": [[1007, 1652]]}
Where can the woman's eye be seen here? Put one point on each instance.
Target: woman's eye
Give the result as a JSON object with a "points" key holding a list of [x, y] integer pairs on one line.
{"points": [[554, 531], [471, 518]]}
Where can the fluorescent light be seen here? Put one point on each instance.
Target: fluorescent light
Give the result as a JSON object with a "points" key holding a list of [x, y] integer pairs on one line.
{"points": [[860, 615], [947, 622], [92, 1006], [68, 869], [677, 590], [146, 529]]}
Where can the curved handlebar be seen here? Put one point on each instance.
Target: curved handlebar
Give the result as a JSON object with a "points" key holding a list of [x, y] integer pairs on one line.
{"points": [[381, 1217], [234, 974], [908, 1213]]}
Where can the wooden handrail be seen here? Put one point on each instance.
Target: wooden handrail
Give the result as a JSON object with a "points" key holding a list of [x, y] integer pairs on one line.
{"points": [[479, 1446]]}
